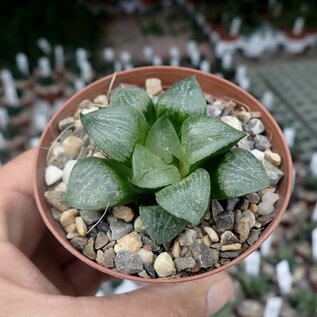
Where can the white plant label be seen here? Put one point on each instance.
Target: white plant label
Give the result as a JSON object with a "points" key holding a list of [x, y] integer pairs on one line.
{"points": [[148, 53], [252, 264], [313, 164], [266, 246], [268, 100], [227, 61], [157, 60], [241, 72], [6, 77], [108, 54], [11, 95], [79, 84], [273, 307], [3, 143], [22, 64], [44, 45], [86, 71], [4, 118], [174, 62], [195, 58], [314, 214], [205, 66], [191, 46], [59, 57], [298, 26], [174, 52], [235, 26], [44, 67], [289, 135], [81, 56], [125, 57], [314, 243], [117, 66], [284, 277]]}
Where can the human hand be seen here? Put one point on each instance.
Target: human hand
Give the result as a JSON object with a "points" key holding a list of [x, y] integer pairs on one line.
{"points": [[38, 277]]}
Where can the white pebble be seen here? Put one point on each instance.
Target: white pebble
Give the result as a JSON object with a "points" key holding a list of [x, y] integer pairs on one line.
{"points": [[92, 109], [138, 225], [68, 217], [258, 154], [153, 86], [270, 197], [232, 121], [146, 256], [61, 187], [101, 100], [164, 265], [81, 226], [265, 208], [67, 170], [212, 234], [52, 174]]}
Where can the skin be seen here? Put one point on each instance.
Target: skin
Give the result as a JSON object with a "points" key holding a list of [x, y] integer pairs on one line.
{"points": [[38, 277]]}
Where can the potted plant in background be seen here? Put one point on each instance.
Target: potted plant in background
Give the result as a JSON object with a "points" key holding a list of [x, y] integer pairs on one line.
{"points": [[154, 192]]}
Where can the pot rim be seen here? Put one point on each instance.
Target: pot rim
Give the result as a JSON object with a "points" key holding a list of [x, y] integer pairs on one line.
{"points": [[150, 70]]}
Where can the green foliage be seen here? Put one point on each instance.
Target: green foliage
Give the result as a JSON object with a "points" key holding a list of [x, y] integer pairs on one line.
{"points": [[163, 160], [305, 302]]}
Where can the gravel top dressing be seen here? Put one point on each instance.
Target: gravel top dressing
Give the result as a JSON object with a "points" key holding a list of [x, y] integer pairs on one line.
{"points": [[162, 183]]}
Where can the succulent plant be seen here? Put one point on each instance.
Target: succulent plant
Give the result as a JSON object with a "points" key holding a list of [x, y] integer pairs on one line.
{"points": [[171, 157]]}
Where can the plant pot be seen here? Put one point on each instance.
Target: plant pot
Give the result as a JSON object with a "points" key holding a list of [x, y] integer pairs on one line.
{"points": [[169, 75]]}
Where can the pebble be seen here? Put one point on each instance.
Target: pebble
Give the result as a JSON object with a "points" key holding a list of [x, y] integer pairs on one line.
{"points": [[272, 172], [146, 256], [120, 229], [213, 111], [149, 268], [56, 214], [176, 250], [65, 123], [72, 146], [266, 219], [111, 219], [101, 101], [72, 235], [85, 104], [244, 143], [61, 187], [164, 265], [231, 247], [101, 240], [79, 242], [272, 157], [67, 170], [128, 263], [207, 216], [123, 212], [268, 190], [270, 197], [258, 154], [71, 228], [100, 259], [245, 204], [212, 234], [204, 256], [206, 240], [144, 274], [109, 258], [253, 208], [228, 237], [89, 250], [81, 226], [244, 224], [153, 86], [52, 175], [82, 153], [138, 225], [265, 208], [90, 216], [109, 245], [229, 254], [231, 203], [187, 262], [188, 237], [233, 122], [253, 237], [216, 208], [60, 160], [54, 198], [224, 221], [261, 142], [209, 98], [91, 109], [255, 126], [131, 242], [253, 198], [68, 217], [216, 246], [244, 116]]}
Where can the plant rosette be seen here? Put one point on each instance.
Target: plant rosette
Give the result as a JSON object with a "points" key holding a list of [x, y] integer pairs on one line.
{"points": [[162, 183]]}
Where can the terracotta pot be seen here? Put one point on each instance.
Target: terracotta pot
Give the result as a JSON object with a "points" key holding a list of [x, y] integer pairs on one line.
{"points": [[168, 75]]}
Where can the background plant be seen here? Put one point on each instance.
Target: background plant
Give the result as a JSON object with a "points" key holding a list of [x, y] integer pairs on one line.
{"points": [[172, 157]]}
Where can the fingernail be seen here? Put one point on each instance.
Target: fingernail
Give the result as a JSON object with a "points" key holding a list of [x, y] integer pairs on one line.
{"points": [[218, 295]]}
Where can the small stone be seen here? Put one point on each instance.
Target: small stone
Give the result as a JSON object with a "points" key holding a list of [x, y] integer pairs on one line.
{"points": [[256, 114], [229, 254], [79, 242], [244, 224], [72, 235], [228, 237], [103, 226], [253, 208], [184, 263], [128, 263], [52, 175], [123, 212], [68, 217], [209, 98], [184, 250], [153, 86], [204, 256], [265, 208], [188, 237], [101, 101], [149, 270], [91, 109], [272, 172], [72, 146], [109, 245], [56, 214], [233, 122], [60, 161], [138, 225], [206, 240], [111, 219], [146, 256], [100, 155], [216, 208], [266, 219], [231, 203], [273, 158], [255, 126], [244, 116], [65, 123], [81, 226], [176, 250], [257, 225], [267, 190], [253, 198], [89, 250], [164, 265], [61, 187], [120, 229], [100, 259], [244, 204], [261, 142], [101, 240], [253, 237], [244, 143], [213, 111], [131, 242], [224, 221], [109, 258], [67, 170], [231, 247], [70, 228], [85, 104], [55, 198], [212, 234], [258, 154], [207, 216], [82, 153], [216, 246], [90, 216], [79, 132], [270, 197]]}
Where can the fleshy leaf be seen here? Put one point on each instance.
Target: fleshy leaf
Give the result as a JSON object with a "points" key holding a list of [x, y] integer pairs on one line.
{"points": [[203, 137], [93, 184], [236, 174], [187, 199], [134, 97], [160, 224], [163, 140], [116, 130], [149, 171], [185, 98]]}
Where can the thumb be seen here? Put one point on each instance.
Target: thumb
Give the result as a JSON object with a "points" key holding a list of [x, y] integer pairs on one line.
{"points": [[198, 298]]}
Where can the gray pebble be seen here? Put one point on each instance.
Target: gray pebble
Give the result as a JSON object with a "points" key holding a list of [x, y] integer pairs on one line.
{"points": [[244, 143], [128, 263], [272, 172], [228, 237], [120, 229], [109, 258], [244, 205], [229, 254], [103, 226], [231, 203], [255, 126], [79, 242], [79, 132], [266, 219], [216, 246], [82, 153], [90, 216], [188, 237], [253, 198], [261, 142], [109, 245], [213, 111], [56, 214], [253, 237], [65, 135], [150, 270], [204, 256], [60, 161], [89, 250], [216, 208], [55, 199], [187, 262], [65, 123], [144, 274], [225, 221], [101, 240]]}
